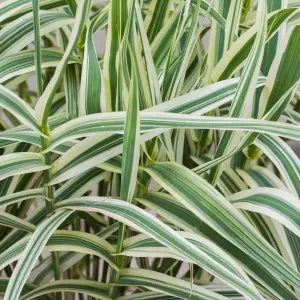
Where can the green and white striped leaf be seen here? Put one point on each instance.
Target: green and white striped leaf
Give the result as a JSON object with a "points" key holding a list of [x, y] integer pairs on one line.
{"points": [[21, 163], [284, 158], [43, 105], [87, 287], [200, 101], [31, 253], [62, 240], [92, 85], [275, 203], [15, 222], [17, 107], [243, 98], [131, 144], [73, 188], [27, 288], [146, 223], [114, 123], [43, 273], [173, 211], [284, 74], [21, 196], [166, 284], [274, 43], [9, 137], [233, 59], [11, 9], [208, 204], [20, 33], [23, 62], [232, 23]]}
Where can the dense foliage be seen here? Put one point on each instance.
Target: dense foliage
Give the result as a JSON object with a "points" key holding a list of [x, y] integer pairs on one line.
{"points": [[160, 168]]}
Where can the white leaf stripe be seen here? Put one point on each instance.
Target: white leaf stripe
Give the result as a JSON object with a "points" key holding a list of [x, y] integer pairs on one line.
{"points": [[210, 206], [21, 163], [43, 105], [173, 211], [114, 123], [63, 240], [20, 196], [241, 103], [284, 158], [146, 223], [234, 58], [23, 62], [275, 203], [91, 76], [27, 288], [18, 34], [86, 287], [15, 222], [17, 107], [31, 253], [166, 284]]}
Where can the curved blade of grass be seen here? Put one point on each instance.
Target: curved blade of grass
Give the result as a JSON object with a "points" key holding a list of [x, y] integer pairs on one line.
{"points": [[243, 97], [173, 211], [114, 123], [87, 287], [23, 62], [10, 10], [27, 288], [284, 158], [43, 105], [21, 196], [31, 254], [234, 58], [210, 206], [81, 156], [43, 273], [146, 223], [15, 222], [248, 139], [21, 163], [20, 33], [166, 284], [275, 203], [63, 240], [19, 108], [92, 85], [8, 137]]}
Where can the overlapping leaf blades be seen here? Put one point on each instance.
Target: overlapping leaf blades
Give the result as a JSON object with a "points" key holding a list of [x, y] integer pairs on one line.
{"points": [[87, 157]]}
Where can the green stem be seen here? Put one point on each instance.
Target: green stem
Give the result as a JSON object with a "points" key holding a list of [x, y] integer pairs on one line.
{"points": [[120, 261], [49, 190], [49, 193]]}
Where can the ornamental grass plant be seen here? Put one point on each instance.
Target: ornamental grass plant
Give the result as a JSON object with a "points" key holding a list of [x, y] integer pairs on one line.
{"points": [[156, 162]]}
